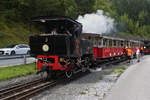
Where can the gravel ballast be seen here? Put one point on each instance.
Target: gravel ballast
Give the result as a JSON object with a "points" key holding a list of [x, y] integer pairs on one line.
{"points": [[92, 86]]}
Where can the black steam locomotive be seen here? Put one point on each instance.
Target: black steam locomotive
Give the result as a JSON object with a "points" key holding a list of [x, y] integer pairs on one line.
{"points": [[60, 47]]}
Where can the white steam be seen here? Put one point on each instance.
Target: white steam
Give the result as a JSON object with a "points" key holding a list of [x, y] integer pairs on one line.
{"points": [[96, 23]]}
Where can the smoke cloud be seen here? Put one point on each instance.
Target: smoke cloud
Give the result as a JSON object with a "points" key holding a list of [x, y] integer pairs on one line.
{"points": [[97, 23]]}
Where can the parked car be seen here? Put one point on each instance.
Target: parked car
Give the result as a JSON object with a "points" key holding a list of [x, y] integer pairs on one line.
{"points": [[15, 49]]}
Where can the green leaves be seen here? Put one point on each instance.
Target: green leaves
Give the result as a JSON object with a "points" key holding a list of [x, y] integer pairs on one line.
{"points": [[134, 13]]}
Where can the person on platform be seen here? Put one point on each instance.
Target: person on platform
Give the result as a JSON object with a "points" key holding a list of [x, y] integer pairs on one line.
{"points": [[138, 55], [129, 54]]}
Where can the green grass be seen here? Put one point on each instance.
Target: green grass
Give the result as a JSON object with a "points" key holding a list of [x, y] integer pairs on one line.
{"points": [[120, 70], [117, 71], [96, 94], [16, 71], [82, 93]]}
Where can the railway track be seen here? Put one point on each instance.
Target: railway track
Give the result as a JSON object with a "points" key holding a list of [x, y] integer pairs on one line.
{"points": [[24, 91], [27, 90]]}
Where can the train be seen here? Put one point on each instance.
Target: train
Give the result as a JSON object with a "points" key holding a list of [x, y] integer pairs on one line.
{"points": [[63, 48], [146, 49]]}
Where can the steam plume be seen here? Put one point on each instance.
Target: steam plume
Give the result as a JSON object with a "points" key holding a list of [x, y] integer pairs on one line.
{"points": [[96, 23]]}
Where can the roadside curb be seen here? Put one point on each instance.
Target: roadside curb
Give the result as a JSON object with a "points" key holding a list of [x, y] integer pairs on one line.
{"points": [[13, 57]]}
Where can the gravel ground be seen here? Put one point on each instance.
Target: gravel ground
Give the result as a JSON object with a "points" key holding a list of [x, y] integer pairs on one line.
{"points": [[89, 87]]}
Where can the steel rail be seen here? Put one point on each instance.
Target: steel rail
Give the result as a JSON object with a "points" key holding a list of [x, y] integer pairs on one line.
{"points": [[13, 89], [25, 94]]}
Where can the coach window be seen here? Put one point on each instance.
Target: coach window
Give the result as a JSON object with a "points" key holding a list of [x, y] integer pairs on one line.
{"points": [[114, 43], [119, 43], [110, 43], [126, 43], [104, 42], [138, 44], [122, 43], [95, 42], [129, 44], [100, 43], [107, 43], [133, 44]]}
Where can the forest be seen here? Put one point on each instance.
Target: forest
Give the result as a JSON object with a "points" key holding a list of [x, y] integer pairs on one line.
{"points": [[132, 17]]}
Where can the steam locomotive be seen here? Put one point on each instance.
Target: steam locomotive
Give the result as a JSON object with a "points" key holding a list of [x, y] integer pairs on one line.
{"points": [[69, 51], [61, 52]]}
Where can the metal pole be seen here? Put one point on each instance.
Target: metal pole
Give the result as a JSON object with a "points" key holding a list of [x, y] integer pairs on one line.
{"points": [[25, 59]]}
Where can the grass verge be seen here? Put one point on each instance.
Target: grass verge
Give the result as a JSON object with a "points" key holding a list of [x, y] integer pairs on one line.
{"points": [[117, 71], [16, 71]]}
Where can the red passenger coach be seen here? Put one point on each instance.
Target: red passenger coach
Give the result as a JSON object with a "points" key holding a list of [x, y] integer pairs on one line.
{"points": [[105, 47], [108, 47]]}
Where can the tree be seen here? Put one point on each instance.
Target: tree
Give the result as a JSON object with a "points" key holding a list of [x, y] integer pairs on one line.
{"points": [[104, 5]]}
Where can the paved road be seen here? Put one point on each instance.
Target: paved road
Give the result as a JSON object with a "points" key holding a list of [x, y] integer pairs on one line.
{"points": [[134, 84], [15, 61]]}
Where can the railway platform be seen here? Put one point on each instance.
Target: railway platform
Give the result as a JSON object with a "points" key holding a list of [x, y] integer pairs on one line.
{"points": [[134, 83]]}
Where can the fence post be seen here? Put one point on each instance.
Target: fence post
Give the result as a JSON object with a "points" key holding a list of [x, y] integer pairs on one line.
{"points": [[25, 59]]}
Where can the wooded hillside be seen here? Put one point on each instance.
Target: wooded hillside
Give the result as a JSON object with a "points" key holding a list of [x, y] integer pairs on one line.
{"points": [[132, 16]]}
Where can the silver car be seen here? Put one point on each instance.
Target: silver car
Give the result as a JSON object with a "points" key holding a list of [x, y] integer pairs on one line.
{"points": [[15, 49]]}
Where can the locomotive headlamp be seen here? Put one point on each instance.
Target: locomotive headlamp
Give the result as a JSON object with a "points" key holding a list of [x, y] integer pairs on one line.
{"points": [[45, 47]]}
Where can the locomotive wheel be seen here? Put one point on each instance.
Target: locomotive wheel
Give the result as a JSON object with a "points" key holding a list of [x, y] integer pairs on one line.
{"points": [[53, 75], [69, 74], [84, 69], [44, 75]]}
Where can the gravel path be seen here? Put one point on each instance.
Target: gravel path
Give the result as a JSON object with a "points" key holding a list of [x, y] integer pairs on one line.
{"points": [[134, 84]]}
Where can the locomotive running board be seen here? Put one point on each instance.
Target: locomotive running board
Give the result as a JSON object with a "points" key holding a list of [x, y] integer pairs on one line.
{"points": [[95, 70], [74, 72]]}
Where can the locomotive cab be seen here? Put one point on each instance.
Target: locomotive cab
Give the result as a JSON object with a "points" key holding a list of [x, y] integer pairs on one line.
{"points": [[58, 38]]}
